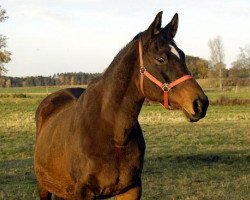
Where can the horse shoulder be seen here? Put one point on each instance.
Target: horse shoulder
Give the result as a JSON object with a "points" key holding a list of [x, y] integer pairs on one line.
{"points": [[56, 102]]}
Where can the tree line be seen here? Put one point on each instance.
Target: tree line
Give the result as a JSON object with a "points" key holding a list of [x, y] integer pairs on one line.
{"points": [[199, 68], [202, 68], [55, 80]]}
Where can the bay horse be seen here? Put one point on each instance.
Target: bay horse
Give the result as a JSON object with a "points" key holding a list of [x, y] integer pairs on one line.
{"points": [[89, 144]]}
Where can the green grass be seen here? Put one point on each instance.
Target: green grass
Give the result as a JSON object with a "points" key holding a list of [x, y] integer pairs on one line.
{"points": [[242, 92], [213, 95], [33, 90], [205, 160], [28, 90]]}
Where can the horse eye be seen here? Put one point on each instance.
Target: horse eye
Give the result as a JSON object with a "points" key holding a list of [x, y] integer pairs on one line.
{"points": [[160, 60]]}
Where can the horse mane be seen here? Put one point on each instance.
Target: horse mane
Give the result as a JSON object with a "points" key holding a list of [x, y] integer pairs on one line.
{"points": [[110, 68]]}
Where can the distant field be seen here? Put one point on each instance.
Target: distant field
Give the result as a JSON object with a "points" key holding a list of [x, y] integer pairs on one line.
{"points": [[208, 160], [242, 92], [33, 90]]}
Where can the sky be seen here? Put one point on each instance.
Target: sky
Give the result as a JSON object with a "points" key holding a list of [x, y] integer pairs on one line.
{"points": [[55, 36]]}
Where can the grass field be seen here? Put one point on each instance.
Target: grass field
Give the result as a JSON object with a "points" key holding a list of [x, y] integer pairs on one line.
{"points": [[205, 160], [33, 90], [242, 92]]}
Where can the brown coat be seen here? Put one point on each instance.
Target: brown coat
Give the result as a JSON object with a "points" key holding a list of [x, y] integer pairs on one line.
{"points": [[89, 142]]}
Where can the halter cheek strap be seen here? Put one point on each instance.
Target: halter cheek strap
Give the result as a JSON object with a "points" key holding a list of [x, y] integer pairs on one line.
{"points": [[166, 87]]}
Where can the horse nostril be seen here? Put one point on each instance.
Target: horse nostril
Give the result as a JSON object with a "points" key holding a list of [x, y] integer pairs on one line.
{"points": [[197, 106], [200, 106]]}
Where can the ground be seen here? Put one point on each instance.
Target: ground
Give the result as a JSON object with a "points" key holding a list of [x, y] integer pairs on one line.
{"points": [[191, 161]]}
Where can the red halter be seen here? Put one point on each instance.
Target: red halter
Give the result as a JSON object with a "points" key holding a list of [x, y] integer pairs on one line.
{"points": [[166, 87]]}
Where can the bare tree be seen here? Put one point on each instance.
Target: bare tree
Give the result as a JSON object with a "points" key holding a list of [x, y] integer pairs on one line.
{"points": [[244, 57], [241, 67], [4, 54], [217, 56], [2, 15]]}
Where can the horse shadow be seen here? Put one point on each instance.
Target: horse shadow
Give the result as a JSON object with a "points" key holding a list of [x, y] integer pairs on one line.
{"points": [[181, 176], [174, 165], [17, 179], [200, 159]]}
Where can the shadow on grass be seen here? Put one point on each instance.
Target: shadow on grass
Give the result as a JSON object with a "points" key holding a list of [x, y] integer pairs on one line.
{"points": [[229, 157], [17, 179], [238, 161], [237, 158], [197, 176], [16, 171]]}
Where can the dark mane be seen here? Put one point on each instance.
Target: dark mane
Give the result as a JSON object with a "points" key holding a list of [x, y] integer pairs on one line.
{"points": [[137, 36], [122, 52], [110, 68], [118, 57]]}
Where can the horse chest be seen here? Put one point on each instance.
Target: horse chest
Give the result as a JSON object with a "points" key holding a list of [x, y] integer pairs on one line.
{"points": [[128, 163], [120, 172]]}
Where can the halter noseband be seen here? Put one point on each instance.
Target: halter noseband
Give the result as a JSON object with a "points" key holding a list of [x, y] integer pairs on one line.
{"points": [[166, 87]]}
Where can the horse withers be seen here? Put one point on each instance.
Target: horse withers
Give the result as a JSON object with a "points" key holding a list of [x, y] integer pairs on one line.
{"points": [[89, 144]]}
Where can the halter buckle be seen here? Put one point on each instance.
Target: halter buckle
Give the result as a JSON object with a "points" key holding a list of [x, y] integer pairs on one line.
{"points": [[165, 87], [142, 70]]}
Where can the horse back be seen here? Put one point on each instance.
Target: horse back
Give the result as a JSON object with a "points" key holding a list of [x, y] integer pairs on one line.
{"points": [[56, 102]]}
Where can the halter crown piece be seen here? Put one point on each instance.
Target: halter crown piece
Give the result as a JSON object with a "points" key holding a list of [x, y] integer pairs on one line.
{"points": [[166, 87]]}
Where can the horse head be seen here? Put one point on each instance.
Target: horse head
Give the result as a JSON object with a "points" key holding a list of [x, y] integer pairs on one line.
{"points": [[165, 62]]}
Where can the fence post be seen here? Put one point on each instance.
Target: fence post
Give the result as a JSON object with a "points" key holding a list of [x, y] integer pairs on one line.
{"points": [[47, 91]]}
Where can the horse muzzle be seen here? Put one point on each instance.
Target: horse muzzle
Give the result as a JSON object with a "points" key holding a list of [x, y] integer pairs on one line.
{"points": [[199, 107]]}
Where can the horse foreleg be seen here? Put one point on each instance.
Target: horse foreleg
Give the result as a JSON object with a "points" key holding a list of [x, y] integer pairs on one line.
{"points": [[132, 194], [83, 193], [54, 197], [43, 193]]}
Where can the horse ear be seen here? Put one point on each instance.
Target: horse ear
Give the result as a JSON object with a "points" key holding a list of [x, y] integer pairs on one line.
{"points": [[172, 27], [155, 28]]}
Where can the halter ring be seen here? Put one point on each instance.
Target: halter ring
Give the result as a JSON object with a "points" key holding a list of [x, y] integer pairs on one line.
{"points": [[142, 70], [165, 87]]}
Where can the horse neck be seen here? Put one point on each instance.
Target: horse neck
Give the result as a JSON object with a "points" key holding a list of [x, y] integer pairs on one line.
{"points": [[122, 101]]}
